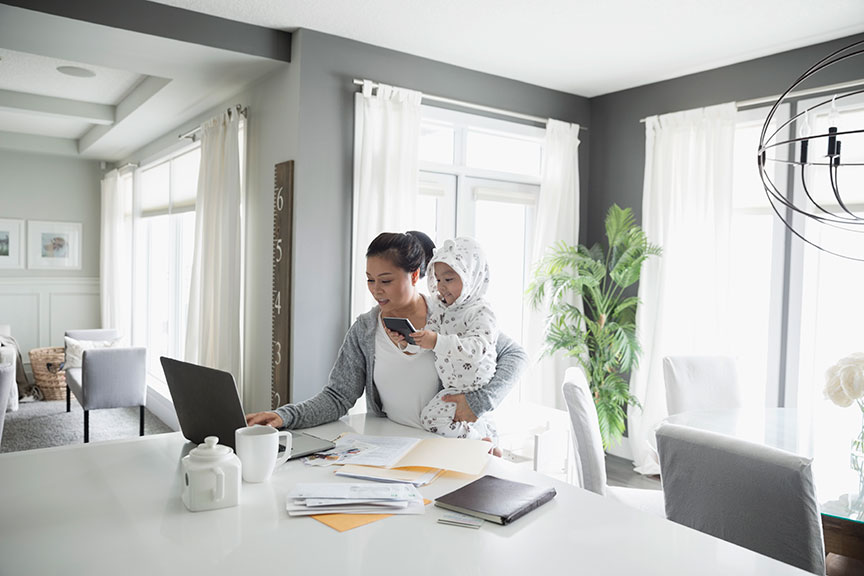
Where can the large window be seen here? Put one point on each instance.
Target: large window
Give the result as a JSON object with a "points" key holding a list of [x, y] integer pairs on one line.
{"points": [[481, 177], [795, 305], [757, 248], [828, 303], [165, 197]]}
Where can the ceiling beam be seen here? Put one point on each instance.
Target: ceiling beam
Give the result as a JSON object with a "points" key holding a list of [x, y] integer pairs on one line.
{"points": [[60, 107], [145, 90], [38, 144], [170, 22]]}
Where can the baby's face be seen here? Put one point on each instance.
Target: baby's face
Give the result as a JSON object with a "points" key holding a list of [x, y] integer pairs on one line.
{"points": [[449, 283]]}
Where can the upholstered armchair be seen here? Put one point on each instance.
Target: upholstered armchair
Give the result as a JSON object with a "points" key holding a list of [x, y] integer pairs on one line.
{"points": [[108, 377], [7, 383], [9, 355]]}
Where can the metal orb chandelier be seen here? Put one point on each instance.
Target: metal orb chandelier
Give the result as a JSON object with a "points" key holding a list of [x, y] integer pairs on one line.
{"points": [[823, 155]]}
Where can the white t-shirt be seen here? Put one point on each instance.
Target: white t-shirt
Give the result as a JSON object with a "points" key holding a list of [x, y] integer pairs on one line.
{"points": [[405, 382]]}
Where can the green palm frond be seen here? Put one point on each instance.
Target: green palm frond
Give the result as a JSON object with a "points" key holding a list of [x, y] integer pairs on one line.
{"points": [[601, 334]]}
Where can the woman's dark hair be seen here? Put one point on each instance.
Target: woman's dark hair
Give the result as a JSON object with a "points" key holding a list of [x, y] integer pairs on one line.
{"points": [[409, 251]]}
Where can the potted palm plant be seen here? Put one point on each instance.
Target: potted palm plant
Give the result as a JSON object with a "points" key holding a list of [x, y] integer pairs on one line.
{"points": [[601, 334]]}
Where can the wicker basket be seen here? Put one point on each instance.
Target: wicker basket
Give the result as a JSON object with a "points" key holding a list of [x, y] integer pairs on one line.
{"points": [[45, 363]]}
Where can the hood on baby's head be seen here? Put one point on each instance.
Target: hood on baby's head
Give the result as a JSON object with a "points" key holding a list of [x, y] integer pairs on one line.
{"points": [[465, 256]]}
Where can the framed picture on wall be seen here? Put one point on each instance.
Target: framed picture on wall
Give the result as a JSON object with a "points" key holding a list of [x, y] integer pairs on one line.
{"points": [[11, 243], [53, 245]]}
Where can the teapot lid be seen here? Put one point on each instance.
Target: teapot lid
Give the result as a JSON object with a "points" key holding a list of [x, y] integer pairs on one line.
{"points": [[210, 449]]}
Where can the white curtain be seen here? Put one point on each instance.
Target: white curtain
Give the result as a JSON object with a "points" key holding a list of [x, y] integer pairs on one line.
{"points": [[687, 210], [115, 262], [557, 220], [386, 151], [214, 328]]}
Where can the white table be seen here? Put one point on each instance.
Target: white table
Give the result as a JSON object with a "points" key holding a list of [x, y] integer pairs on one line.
{"points": [[115, 508]]}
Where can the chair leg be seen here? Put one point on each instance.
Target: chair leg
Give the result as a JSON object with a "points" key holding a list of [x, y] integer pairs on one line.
{"points": [[141, 427], [86, 426], [68, 399]]}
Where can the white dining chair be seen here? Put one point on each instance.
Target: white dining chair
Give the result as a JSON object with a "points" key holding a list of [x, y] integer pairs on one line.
{"points": [[590, 459], [700, 383], [752, 495]]}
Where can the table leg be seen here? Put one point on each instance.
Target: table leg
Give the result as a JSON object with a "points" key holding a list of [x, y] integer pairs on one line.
{"points": [[843, 536]]}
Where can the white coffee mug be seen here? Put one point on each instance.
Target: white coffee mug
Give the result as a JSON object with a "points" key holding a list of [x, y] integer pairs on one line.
{"points": [[258, 449]]}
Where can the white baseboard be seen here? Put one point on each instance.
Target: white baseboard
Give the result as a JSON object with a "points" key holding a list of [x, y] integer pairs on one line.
{"points": [[162, 408]]}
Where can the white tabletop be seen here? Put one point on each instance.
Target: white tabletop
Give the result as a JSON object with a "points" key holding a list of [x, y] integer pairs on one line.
{"points": [[115, 508]]}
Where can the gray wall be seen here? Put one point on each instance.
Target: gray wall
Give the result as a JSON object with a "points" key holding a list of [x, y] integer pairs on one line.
{"points": [[617, 159], [54, 188], [323, 178]]}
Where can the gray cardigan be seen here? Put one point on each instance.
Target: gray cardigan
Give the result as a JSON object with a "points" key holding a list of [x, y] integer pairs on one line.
{"points": [[352, 375]]}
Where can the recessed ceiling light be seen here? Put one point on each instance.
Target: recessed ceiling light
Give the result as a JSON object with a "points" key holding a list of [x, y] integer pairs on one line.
{"points": [[76, 71]]}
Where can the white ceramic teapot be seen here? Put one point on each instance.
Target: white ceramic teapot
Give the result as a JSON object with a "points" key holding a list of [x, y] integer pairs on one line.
{"points": [[211, 476]]}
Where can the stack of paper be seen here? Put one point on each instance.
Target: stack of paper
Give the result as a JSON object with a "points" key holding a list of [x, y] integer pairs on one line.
{"points": [[337, 498], [416, 475]]}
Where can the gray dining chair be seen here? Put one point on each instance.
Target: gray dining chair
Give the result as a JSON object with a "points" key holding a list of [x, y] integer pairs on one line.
{"points": [[108, 377], [590, 459], [701, 383], [755, 496]]}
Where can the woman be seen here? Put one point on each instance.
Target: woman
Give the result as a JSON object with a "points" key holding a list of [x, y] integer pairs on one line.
{"points": [[398, 383]]}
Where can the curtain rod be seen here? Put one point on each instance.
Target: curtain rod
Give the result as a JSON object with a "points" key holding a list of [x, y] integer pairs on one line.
{"points": [[797, 95], [193, 134], [478, 107]]}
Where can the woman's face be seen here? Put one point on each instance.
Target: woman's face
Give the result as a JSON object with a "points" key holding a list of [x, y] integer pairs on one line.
{"points": [[392, 287]]}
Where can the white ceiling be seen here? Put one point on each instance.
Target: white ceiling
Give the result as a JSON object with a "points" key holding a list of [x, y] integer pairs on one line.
{"points": [[145, 86], [585, 47]]}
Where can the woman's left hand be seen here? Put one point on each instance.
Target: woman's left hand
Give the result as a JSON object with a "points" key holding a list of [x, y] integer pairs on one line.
{"points": [[463, 410]]}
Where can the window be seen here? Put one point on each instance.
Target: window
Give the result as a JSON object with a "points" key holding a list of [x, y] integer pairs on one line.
{"points": [[757, 237], [794, 302], [164, 246], [826, 308], [480, 177]]}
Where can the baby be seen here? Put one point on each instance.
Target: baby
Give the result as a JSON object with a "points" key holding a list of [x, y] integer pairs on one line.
{"points": [[461, 331]]}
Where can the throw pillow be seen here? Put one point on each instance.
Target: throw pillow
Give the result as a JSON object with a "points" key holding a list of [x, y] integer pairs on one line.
{"points": [[75, 350]]}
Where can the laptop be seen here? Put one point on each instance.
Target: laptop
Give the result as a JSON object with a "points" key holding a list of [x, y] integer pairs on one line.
{"points": [[207, 404]]}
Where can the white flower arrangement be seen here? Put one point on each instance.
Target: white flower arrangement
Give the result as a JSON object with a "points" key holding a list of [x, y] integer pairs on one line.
{"points": [[844, 381]]}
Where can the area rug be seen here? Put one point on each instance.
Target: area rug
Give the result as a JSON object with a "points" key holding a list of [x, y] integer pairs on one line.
{"points": [[41, 424]]}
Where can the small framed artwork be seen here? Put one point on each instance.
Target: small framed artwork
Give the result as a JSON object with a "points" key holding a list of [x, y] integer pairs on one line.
{"points": [[53, 245], [11, 243]]}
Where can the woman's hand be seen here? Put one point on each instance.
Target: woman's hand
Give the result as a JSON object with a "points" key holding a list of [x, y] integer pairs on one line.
{"points": [[463, 410], [397, 338], [425, 338], [265, 418]]}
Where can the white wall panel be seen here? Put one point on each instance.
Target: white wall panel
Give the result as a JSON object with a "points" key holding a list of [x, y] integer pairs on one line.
{"points": [[39, 310], [71, 311], [20, 310]]}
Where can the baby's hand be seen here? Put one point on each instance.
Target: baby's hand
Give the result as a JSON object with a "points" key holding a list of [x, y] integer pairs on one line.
{"points": [[397, 338], [425, 338]]}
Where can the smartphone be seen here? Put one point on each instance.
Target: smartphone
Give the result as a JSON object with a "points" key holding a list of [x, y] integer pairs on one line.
{"points": [[401, 325]]}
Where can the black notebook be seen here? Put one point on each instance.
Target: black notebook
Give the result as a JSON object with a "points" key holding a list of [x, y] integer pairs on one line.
{"points": [[495, 499]]}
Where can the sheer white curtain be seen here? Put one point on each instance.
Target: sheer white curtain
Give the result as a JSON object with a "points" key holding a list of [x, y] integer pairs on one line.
{"points": [[557, 220], [386, 169], [115, 262], [213, 331], [687, 210]]}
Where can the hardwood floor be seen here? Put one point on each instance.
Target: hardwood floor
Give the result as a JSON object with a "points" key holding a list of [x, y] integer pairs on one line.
{"points": [[619, 472]]}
